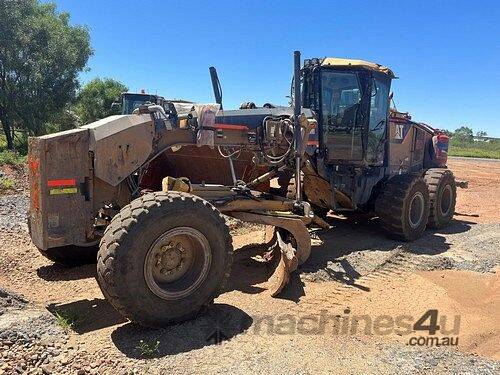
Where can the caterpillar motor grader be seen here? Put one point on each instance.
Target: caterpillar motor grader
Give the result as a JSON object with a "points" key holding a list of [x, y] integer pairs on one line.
{"points": [[149, 189]]}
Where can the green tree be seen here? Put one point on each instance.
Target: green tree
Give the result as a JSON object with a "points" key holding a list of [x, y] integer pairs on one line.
{"points": [[464, 134], [63, 120], [95, 99], [41, 55], [447, 132], [481, 133]]}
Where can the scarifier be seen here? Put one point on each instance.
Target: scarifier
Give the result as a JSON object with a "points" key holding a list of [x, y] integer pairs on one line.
{"points": [[144, 192]]}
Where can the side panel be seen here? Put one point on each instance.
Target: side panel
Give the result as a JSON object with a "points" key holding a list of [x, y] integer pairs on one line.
{"points": [[417, 156], [121, 144], [409, 147], [400, 146], [60, 210]]}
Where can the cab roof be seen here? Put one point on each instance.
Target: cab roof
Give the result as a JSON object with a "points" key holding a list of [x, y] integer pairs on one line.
{"points": [[335, 61]]}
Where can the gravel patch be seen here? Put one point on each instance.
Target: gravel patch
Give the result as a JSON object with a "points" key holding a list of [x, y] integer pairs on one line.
{"points": [[349, 257], [19, 317], [439, 360], [29, 338], [11, 300], [13, 212]]}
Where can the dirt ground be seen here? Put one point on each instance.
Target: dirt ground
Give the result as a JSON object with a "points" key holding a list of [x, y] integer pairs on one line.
{"points": [[481, 202], [349, 309]]}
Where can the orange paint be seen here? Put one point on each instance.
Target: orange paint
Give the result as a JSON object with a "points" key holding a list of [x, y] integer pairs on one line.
{"points": [[34, 166]]}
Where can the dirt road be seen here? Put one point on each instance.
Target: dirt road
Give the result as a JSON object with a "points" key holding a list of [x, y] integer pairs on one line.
{"points": [[349, 309]]}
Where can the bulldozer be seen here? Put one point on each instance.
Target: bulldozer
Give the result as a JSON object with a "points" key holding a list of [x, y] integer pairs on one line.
{"points": [[145, 193]]}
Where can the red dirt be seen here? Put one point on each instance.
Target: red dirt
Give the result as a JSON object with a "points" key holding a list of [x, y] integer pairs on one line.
{"points": [[479, 203]]}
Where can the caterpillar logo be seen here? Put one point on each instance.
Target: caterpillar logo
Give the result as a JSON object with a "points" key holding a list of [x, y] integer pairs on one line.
{"points": [[399, 132]]}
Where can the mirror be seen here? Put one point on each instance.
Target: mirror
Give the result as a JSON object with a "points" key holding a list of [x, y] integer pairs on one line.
{"points": [[374, 87]]}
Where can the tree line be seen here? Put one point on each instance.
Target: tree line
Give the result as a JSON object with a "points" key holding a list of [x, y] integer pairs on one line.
{"points": [[41, 57], [464, 142], [464, 134]]}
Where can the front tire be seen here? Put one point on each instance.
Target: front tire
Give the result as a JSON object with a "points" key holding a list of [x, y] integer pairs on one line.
{"points": [[164, 257], [403, 207]]}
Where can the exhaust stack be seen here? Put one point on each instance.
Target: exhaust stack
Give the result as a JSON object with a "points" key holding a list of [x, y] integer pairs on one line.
{"points": [[296, 123], [216, 85]]}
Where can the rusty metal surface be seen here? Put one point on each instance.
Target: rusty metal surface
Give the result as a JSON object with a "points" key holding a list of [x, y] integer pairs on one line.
{"points": [[59, 171], [320, 222], [201, 164], [287, 264], [35, 213], [294, 225], [288, 257], [318, 191], [407, 143], [251, 204]]}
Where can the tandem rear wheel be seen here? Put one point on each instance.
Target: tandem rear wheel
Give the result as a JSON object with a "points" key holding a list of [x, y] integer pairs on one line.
{"points": [[443, 196]]}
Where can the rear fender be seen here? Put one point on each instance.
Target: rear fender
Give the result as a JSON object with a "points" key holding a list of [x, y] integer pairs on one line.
{"points": [[60, 177]]}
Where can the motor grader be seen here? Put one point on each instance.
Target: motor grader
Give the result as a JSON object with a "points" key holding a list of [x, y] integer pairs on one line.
{"points": [[149, 189]]}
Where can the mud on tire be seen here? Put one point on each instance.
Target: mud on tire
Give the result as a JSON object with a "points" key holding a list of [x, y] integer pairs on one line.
{"points": [[443, 196], [141, 263], [403, 207]]}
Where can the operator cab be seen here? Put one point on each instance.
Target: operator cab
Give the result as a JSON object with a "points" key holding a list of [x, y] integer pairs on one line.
{"points": [[130, 101], [351, 100]]}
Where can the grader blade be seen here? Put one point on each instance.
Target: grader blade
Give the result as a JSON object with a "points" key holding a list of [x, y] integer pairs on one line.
{"points": [[287, 263], [285, 256]]}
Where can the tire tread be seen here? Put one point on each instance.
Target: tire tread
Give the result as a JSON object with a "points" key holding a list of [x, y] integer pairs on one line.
{"points": [[124, 221]]}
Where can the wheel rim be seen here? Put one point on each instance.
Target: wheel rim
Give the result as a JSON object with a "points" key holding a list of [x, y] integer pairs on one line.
{"points": [[446, 198], [416, 212], [177, 263]]}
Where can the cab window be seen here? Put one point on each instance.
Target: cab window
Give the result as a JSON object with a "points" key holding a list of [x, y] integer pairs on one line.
{"points": [[379, 106], [341, 115], [340, 100]]}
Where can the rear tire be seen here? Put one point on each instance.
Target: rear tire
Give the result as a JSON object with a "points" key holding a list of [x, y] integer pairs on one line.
{"points": [[164, 257], [403, 207], [443, 196], [71, 255]]}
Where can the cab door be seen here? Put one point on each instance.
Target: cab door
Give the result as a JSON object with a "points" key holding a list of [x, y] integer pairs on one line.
{"points": [[379, 112], [341, 116]]}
